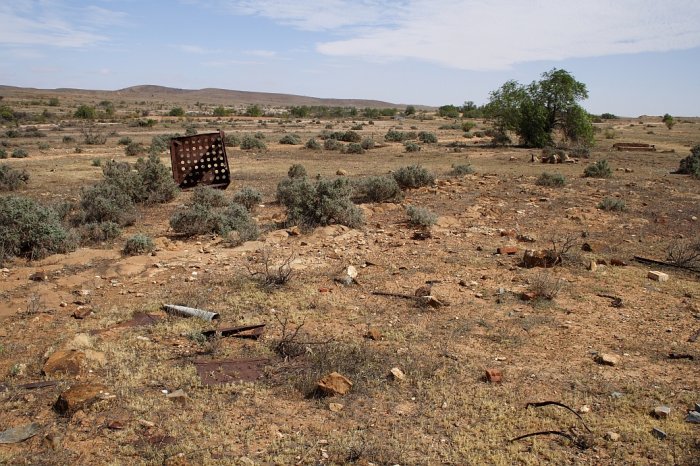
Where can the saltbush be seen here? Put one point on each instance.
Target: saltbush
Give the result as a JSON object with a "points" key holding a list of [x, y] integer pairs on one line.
{"points": [[377, 189], [312, 144], [248, 198], [612, 204], [600, 169], [251, 142], [461, 169], [138, 244], [11, 179], [420, 216], [691, 164], [134, 148], [427, 138], [332, 144], [413, 176], [353, 148], [208, 196], [411, 146], [551, 180], [290, 139], [19, 153]]}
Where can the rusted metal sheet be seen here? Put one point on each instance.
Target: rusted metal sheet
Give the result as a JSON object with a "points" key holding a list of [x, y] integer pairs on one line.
{"points": [[227, 371], [634, 146], [252, 332], [200, 160]]}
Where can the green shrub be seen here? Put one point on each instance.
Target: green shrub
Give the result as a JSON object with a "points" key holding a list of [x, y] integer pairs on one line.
{"points": [[138, 244], [468, 126], [208, 196], [248, 198], [345, 136], [259, 135], [377, 189], [411, 146], [237, 218], [100, 232], [332, 144], [427, 138], [155, 180], [190, 130], [106, 202], [96, 162], [312, 144], [600, 169], [395, 136], [413, 176], [160, 143], [551, 180], [124, 141], [453, 125], [296, 171], [12, 178], [609, 133], [612, 204], [232, 140], [68, 139], [367, 143], [93, 137], [176, 112], [461, 169], [19, 153], [43, 146], [3, 153], [28, 229], [420, 216], [134, 149], [581, 152], [85, 112], [353, 148], [198, 219], [691, 164], [321, 203], [290, 139], [251, 142]]}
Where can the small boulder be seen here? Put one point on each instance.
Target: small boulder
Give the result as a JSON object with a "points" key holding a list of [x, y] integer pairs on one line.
{"points": [[494, 376], [507, 250], [693, 417], [541, 258], [658, 433], [661, 412], [64, 361], [78, 397], [178, 396], [397, 374], [335, 407], [373, 334], [334, 384], [657, 276], [612, 436], [607, 359]]}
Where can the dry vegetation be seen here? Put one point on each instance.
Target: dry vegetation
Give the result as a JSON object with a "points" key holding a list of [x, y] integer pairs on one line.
{"points": [[541, 328]]}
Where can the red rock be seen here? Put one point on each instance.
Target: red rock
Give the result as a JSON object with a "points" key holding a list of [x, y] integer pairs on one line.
{"points": [[494, 375], [528, 296], [373, 334], [542, 258], [618, 263], [335, 384], [508, 250], [78, 397], [82, 312], [64, 361]]}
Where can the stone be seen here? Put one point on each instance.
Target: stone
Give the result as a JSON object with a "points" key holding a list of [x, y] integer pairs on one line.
{"points": [[584, 409], [592, 266], [612, 436], [373, 334], [618, 262], [334, 384], [586, 247], [178, 396], [657, 276], [64, 361], [341, 172], [397, 374], [82, 312], [40, 276], [617, 395], [507, 250], [693, 417], [424, 290], [494, 375], [661, 412], [541, 258], [78, 397], [20, 433], [336, 407], [431, 301], [607, 359], [351, 272], [658, 433]]}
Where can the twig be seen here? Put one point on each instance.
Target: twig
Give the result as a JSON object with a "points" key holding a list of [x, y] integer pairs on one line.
{"points": [[545, 432], [645, 260], [562, 405]]}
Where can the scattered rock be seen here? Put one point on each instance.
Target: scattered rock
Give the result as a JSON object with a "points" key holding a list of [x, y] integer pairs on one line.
{"points": [[78, 397], [541, 258], [424, 290], [617, 395], [146, 424], [612, 436], [341, 172], [334, 384], [397, 374], [657, 276], [607, 359], [373, 334], [178, 396], [431, 301], [658, 433], [351, 272], [507, 250], [115, 424], [592, 266], [584, 409], [20, 433], [494, 375], [336, 407], [64, 361], [344, 279], [528, 295], [82, 312], [40, 276], [661, 412], [618, 263], [693, 417]]}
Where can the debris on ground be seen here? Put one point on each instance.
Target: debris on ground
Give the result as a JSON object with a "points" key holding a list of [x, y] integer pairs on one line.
{"points": [[185, 311], [79, 396], [20, 433]]}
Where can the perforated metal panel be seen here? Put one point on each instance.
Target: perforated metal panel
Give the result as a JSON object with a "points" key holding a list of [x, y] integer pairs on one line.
{"points": [[200, 160]]}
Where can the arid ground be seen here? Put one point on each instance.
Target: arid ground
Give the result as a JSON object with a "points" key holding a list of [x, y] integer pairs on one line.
{"points": [[441, 408]]}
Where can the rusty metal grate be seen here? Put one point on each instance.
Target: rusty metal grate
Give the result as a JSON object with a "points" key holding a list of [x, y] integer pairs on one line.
{"points": [[200, 159]]}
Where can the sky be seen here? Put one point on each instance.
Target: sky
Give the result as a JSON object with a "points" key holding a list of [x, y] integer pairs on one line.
{"points": [[637, 57]]}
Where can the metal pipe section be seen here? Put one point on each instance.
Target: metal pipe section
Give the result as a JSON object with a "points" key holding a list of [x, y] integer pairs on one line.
{"points": [[185, 311]]}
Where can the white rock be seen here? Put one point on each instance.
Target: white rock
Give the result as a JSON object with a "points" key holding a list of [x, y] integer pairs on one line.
{"points": [[657, 276]]}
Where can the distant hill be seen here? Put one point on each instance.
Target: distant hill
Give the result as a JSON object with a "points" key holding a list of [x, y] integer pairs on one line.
{"points": [[191, 96]]}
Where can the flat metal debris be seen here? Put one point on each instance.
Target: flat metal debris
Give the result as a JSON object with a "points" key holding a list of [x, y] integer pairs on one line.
{"points": [[252, 332], [200, 160], [227, 371]]}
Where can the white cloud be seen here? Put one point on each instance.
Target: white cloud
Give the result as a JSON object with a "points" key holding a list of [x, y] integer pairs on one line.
{"points": [[54, 23], [261, 53], [196, 49], [488, 35]]}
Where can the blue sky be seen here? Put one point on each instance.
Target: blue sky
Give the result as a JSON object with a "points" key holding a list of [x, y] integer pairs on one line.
{"points": [[636, 56]]}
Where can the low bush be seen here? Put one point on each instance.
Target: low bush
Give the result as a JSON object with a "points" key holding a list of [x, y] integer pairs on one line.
{"points": [[398, 136], [296, 171], [138, 244], [100, 232], [427, 137], [290, 139], [551, 180], [377, 189], [332, 144], [321, 203], [612, 204], [248, 198], [134, 149], [609, 133], [691, 164], [313, 144], [11, 179], [198, 219], [461, 169], [208, 196], [123, 141], [581, 152], [367, 143], [468, 126], [106, 202], [345, 136], [19, 153], [232, 140], [93, 136], [411, 147], [420, 217], [29, 229], [600, 169], [413, 176], [68, 139], [353, 148], [3, 153], [251, 142]]}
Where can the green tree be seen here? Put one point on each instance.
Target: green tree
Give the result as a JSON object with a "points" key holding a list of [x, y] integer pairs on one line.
{"points": [[410, 110], [535, 111], [85, 112], [220, 111], [669, 121], [253, 111], [448, 111], [299, 112], [176, 112]]}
